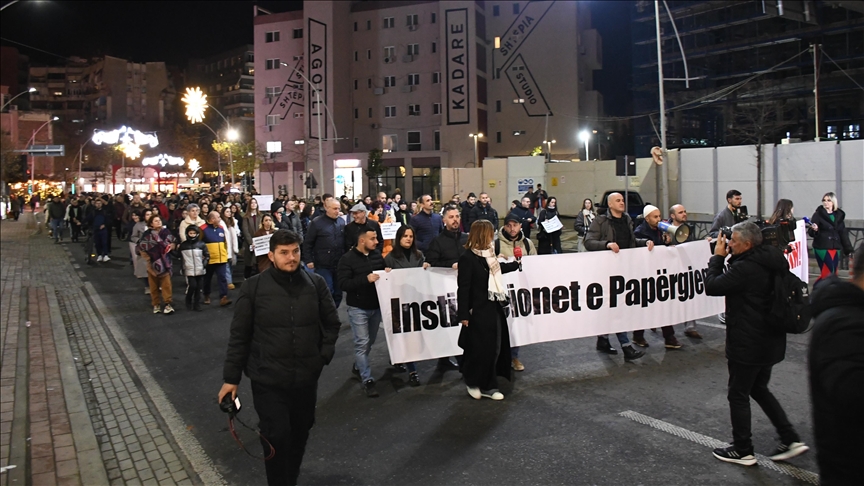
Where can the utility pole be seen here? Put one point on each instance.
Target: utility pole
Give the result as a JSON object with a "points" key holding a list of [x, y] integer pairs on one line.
{"points": [[664, 168], [815, 48]]}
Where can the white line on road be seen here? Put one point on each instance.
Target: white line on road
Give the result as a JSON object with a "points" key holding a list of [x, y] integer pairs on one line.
{"points": [[788, 469]]}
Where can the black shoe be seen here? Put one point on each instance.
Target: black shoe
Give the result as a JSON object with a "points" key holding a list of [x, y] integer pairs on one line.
{"points": [[400, 368], [731, 454], [445, 364], [189, 305], [630, 354], [604, 346], [413, 379], [369, 386], [197, 307], [355, 371]]}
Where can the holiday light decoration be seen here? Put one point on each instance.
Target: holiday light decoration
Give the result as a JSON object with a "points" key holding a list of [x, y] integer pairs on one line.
{"points": [[124, 135], [194, 166], [196, 103], [163, 160], [130, 150]]}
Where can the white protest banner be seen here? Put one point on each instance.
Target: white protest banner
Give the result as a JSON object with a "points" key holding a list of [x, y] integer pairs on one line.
{"points": [[261, 244], [264, 201], [388, 230], [552, 225], [799, 261], [556, 297]]}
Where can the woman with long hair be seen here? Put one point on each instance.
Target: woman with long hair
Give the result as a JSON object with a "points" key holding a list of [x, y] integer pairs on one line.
{"points": [[481, 297], [139, 227], [783, 210], [405, 255], [232, 240], [154, 247], [583, 222], [267, 228], [548, 242], [251, 223], [830, 236]]}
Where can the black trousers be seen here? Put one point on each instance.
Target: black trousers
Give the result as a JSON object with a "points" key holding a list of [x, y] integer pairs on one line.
{"points": [[747, 381], [286, 415], [194, 285]]}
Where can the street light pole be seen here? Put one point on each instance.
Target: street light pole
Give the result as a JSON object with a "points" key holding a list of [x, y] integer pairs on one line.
{"points": [[585, 137], [475, 136], [32, 157], [31, 90], [664, 168]]}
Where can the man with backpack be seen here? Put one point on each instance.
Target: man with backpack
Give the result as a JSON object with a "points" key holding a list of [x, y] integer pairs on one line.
{"points": [[754, 342]]}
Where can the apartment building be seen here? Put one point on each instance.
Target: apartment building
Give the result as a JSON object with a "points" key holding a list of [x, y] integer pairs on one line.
{"points": [[416, 79], [228, 80]]}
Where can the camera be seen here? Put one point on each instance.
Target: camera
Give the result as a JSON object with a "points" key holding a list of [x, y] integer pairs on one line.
{"points": [[779, 234], [229, 406]]}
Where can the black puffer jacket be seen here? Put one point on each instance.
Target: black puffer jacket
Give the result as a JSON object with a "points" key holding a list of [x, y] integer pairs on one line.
{"points": [[836, 374], [446, 248], [748, 286], [352, 277], [832, 235], [284, 330]]}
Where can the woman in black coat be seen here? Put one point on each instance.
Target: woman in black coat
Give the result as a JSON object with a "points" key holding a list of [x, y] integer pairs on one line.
{"points": [[830, 236], [549, 242], [484, 338]]}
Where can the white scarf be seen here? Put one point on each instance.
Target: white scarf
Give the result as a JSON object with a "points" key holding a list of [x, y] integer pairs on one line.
{"points": [[496, 287]]}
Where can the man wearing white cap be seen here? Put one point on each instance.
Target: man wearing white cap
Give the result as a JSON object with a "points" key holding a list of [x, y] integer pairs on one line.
{"points": [[650, 230]]}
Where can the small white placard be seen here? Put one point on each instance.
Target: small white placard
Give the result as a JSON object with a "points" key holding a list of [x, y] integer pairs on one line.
{"points": [[552, 225], [264, 201], [262, 244], [388, 230]]}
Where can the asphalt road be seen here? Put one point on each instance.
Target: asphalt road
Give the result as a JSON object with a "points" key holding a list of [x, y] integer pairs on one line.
{"points": [[559, 424]]}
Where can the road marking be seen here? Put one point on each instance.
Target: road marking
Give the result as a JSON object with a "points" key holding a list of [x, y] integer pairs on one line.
{"points": [[781, 467], [711, 324]]}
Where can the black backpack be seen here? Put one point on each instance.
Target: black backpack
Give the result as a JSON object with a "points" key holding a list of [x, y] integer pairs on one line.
{"points": [[791, 311]]}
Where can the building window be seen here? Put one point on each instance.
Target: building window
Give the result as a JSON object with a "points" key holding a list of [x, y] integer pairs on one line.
{"points": [[434, 47], [298, 115], [389, 54], [413, 110], [497, 106], [272, 64], [298, 33], [368, 25], [368, 82], [413, 49], [434, 18], [436, 78], [271, 36], [498, 137], [389, 143], [389, 22], [496, 10], [370, 112], [368, 54], [272, 91], [389, 111], [355, 26], [356, 142], [437, 140], [389, 81], [412, 20], [272, 120], [436, 108], [413, 141], [355, 56], [356, 113], [413, 79], [515, 9]]}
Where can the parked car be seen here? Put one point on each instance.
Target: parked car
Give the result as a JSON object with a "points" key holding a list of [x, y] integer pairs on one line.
{"points": [[634, 204]]}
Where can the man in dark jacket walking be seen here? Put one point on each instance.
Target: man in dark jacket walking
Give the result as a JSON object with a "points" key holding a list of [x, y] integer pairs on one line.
{"points": [[356, 278], [56, 215], [466, 207], [426, 223], [446, 248], [283, 332], [613, 231], [359, 224], [483, 210], [525, 215], [98, 221], [836, 373], [324, 246], [753, 345]]}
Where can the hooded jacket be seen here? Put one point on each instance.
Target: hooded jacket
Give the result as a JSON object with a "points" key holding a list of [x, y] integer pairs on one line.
{"points": [[195, 255], [836, 375], [748, 286], [505, 244], [185, 224]]}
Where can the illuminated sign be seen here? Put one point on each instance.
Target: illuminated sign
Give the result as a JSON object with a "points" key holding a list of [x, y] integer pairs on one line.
{"points": [[347, 163]]}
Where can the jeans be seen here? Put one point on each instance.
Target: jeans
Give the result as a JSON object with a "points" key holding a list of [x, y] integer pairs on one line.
{"points": [[329, 275], [689, 326], [56, 228], [219, 270], [622, 338], [100, 240], [668, 332], [228, 272], [285, 417], [364, 326], [747, 381], [514, 352]]}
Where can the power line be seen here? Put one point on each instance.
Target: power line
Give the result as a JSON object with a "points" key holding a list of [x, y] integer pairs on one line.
{"points": [[65, 58], [840, 68]]}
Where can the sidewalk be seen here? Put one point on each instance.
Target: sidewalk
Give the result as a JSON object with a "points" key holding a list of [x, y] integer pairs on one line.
{"points": [[74, 410]]}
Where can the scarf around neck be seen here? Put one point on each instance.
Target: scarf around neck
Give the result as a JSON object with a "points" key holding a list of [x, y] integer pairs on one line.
{"points": [[496, 286]]}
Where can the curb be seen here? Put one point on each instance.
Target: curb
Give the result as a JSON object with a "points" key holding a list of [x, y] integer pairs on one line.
{"points": [[90, 465]]}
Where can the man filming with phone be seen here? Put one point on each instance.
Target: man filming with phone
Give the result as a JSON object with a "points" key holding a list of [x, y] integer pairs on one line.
{"points": [[283, 333]]}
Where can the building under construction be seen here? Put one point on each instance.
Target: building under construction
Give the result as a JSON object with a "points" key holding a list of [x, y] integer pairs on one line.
{"points": [[752, 68]]}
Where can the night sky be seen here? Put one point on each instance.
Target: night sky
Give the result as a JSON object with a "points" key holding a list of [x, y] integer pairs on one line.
{"points": [[177, 31]]}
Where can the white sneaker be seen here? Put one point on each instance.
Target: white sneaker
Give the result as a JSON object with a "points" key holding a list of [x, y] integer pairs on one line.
{"points": [[157, 309], [147, 291], [474, 392], [106, 258], [496, 395], [99, 258], [788, 451]]}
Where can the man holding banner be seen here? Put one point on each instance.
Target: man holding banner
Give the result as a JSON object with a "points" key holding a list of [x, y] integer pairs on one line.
{"points": [[614, 231]]}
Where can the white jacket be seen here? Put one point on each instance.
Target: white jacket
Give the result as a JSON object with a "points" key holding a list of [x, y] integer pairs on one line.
{"points": [[231, 241]]}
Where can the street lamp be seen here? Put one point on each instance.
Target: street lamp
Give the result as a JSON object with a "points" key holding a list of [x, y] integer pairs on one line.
{"points": [[475, 136], [549, 147], [31, 90], [585, 136], [33, 158], [196, 103]]}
